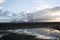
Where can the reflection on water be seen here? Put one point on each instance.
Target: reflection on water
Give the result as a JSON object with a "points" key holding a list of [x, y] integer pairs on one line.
{"points": [[42, 33]]}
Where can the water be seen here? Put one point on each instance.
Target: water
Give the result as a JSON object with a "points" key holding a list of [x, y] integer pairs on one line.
{"points": [[38, 32]]}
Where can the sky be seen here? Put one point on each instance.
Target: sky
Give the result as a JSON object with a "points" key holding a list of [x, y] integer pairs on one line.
{"points": [[28, 5], [34, 6]]}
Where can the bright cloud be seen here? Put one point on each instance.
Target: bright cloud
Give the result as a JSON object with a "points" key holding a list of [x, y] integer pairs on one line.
{"points": [[53, 13], [1, 1], [41, 7]]}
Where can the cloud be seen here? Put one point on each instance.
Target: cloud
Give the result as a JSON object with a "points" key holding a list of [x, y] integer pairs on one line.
{"points": [[41, 7], [1, 8], [2, 1], [47, 15], [38, 1], [26, 11], [54, 13]]}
